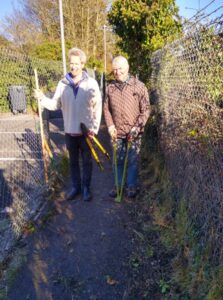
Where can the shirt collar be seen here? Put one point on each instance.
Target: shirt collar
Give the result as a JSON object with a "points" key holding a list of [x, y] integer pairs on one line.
{"points": [[70, 78], [129, 81]]}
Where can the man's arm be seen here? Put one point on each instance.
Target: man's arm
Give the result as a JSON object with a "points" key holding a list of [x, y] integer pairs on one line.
{"points": [[108, 117], [107, 113], [50, 103], [144, 113], [144, 107], [97, 109]]}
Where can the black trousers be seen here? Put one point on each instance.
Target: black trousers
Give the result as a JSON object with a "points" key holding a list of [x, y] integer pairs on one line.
{"points": [[76, 146]]}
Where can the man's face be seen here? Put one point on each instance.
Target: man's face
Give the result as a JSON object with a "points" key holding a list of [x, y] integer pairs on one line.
{"points": [[75, 65], [120, 70]]}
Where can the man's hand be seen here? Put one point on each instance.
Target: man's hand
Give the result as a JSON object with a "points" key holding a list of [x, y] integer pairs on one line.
{"points": [[90, 134], [112, 132], [133, 134], [38, 94]]}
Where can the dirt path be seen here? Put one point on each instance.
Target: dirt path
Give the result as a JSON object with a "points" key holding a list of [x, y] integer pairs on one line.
{"points": [[82, 252]]}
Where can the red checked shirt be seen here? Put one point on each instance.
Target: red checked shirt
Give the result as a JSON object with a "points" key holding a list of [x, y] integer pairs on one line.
{"points": [[126, 106]]}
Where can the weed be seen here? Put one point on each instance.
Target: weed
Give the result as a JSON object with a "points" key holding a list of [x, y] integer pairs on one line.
{"points": [[164, 286], [48, 216], [29, 228], [59, 169], [8, 275], [216, 287], [149, 251], [3, 293], [194, 273], [135, 262]]}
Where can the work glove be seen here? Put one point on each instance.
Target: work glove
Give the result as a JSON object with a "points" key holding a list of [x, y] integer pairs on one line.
{"points": [[38, 94], [112, 132], [133, 134]]}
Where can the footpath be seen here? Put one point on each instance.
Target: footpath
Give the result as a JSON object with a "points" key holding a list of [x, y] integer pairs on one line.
{"points": [[83, 250], [99, 250]]}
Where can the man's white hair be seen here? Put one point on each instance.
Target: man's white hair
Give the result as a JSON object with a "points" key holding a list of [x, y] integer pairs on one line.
{"points": [[78, 52], [120, 59]]}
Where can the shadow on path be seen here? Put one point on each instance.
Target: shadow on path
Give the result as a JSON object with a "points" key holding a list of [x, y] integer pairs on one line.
{"points": [[83, 251]]}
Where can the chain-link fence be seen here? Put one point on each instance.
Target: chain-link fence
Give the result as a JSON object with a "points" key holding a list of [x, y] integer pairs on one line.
{"points": [[22, 167], [21, 159], [187, 84]]}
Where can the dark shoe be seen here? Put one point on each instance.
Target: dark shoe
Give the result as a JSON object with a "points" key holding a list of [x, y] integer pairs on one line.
{"points": [[113, 193], [86, 194], [73, 193], [132, 192]]}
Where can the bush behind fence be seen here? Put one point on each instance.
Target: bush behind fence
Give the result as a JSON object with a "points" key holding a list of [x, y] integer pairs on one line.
{"points": [[187, 83], [17, 69]]}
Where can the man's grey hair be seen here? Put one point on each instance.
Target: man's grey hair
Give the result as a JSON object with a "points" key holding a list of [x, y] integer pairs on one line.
{"points": [[120, 59], [78, 52]]}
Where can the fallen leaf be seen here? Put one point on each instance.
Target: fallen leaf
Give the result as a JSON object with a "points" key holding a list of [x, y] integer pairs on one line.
{"points": [[111, 281]]}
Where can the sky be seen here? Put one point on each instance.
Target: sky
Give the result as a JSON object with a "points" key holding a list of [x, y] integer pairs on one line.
{"points": [[187, 7], [6, 7]]}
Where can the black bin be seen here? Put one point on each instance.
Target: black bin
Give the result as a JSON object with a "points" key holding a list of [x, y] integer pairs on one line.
{"points": [[17, 98]]}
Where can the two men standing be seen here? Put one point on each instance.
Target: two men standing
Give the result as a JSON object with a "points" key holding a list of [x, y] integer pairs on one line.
{"points": [[126, 110]]}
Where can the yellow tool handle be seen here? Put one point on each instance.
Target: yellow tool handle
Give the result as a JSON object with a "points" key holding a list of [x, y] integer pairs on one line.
{"points": [[41, 128], [93, 152], [48, 149], [101, 147]]}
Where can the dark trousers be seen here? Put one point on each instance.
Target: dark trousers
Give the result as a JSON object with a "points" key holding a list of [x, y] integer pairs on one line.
{"points": [[77, 145]]}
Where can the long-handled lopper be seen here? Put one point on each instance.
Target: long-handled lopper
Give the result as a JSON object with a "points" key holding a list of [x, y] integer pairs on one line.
{"points": [[93, 152], [120, 192], [116, 167]]}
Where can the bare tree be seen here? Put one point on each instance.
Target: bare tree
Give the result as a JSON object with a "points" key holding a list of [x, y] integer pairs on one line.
{"points": [[38, 22]]}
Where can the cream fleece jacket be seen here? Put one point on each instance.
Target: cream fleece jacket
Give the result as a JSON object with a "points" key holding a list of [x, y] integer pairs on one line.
{"points": [[85, 108]]}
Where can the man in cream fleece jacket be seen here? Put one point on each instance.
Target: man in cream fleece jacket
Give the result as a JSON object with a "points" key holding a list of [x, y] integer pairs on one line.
{"points": [[79, 98]]}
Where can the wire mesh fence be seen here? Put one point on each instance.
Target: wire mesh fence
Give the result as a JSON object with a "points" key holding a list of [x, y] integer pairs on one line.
{"points": [[21, 159], [187, 84]]}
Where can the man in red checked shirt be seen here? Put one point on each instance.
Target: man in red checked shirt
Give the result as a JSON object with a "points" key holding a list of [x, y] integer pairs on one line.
{"points": [[126, 111]]}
